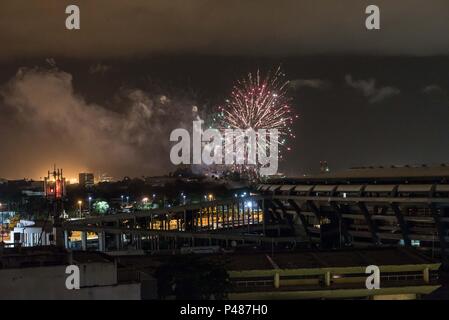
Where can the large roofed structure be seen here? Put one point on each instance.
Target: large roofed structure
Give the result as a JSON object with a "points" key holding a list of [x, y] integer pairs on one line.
{"points": [[407, 206], [436, 173]]}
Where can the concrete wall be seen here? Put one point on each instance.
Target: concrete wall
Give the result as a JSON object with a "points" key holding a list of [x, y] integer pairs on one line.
{"points": [[97, 274], [98, 281]]}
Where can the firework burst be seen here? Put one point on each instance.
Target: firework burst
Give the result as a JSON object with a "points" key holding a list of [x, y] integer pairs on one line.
{"points": [[258, 102]]}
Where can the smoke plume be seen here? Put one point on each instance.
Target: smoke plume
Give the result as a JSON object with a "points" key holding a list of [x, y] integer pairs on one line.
{"points": [[44, 122]]}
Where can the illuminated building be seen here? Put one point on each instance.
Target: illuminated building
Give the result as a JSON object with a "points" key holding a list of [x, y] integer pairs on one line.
{"points": [[86, 180], [54, 185], [324, 167], [30, 233], [104, 177], [55, 192]]}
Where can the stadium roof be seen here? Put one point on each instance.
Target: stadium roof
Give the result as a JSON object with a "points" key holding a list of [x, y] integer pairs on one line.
{"points": [[423, 173]]}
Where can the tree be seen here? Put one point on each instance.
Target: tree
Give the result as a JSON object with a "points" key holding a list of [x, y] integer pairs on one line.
{"points": [[100, 207]]}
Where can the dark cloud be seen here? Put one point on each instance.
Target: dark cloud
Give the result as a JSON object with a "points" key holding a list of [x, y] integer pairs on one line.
{"points": [[433, 89], [116, 28], [370, 90], [99, 68], [309, 83]]}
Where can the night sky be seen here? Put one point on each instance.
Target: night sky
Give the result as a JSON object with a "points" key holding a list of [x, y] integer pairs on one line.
{"points": [[105, 98]]}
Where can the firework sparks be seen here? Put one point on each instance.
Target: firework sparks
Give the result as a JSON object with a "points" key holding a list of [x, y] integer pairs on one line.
{"points": [[258, 102]]}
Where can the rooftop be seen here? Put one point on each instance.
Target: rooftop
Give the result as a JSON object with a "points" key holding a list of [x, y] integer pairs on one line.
{"points": [[424, 173], [327, 259], [304, 259], [21, 257]]}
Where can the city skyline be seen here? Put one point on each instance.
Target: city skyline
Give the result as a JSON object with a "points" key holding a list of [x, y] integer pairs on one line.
{"points": [[224, 151]]}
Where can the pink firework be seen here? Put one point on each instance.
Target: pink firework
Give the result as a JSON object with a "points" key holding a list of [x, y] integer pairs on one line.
{"points": [[258, 102]]}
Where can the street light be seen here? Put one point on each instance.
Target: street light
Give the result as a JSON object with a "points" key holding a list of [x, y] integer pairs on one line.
{"points": [[80, 203], [122, 199], [90, 202]]}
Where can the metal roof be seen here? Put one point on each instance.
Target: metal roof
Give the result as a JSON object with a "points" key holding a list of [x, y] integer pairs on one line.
{"points": [[324, 188], [349, 188], [393, 173], [414, 188], [380, 188], [303, 188], [287, 187]]}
